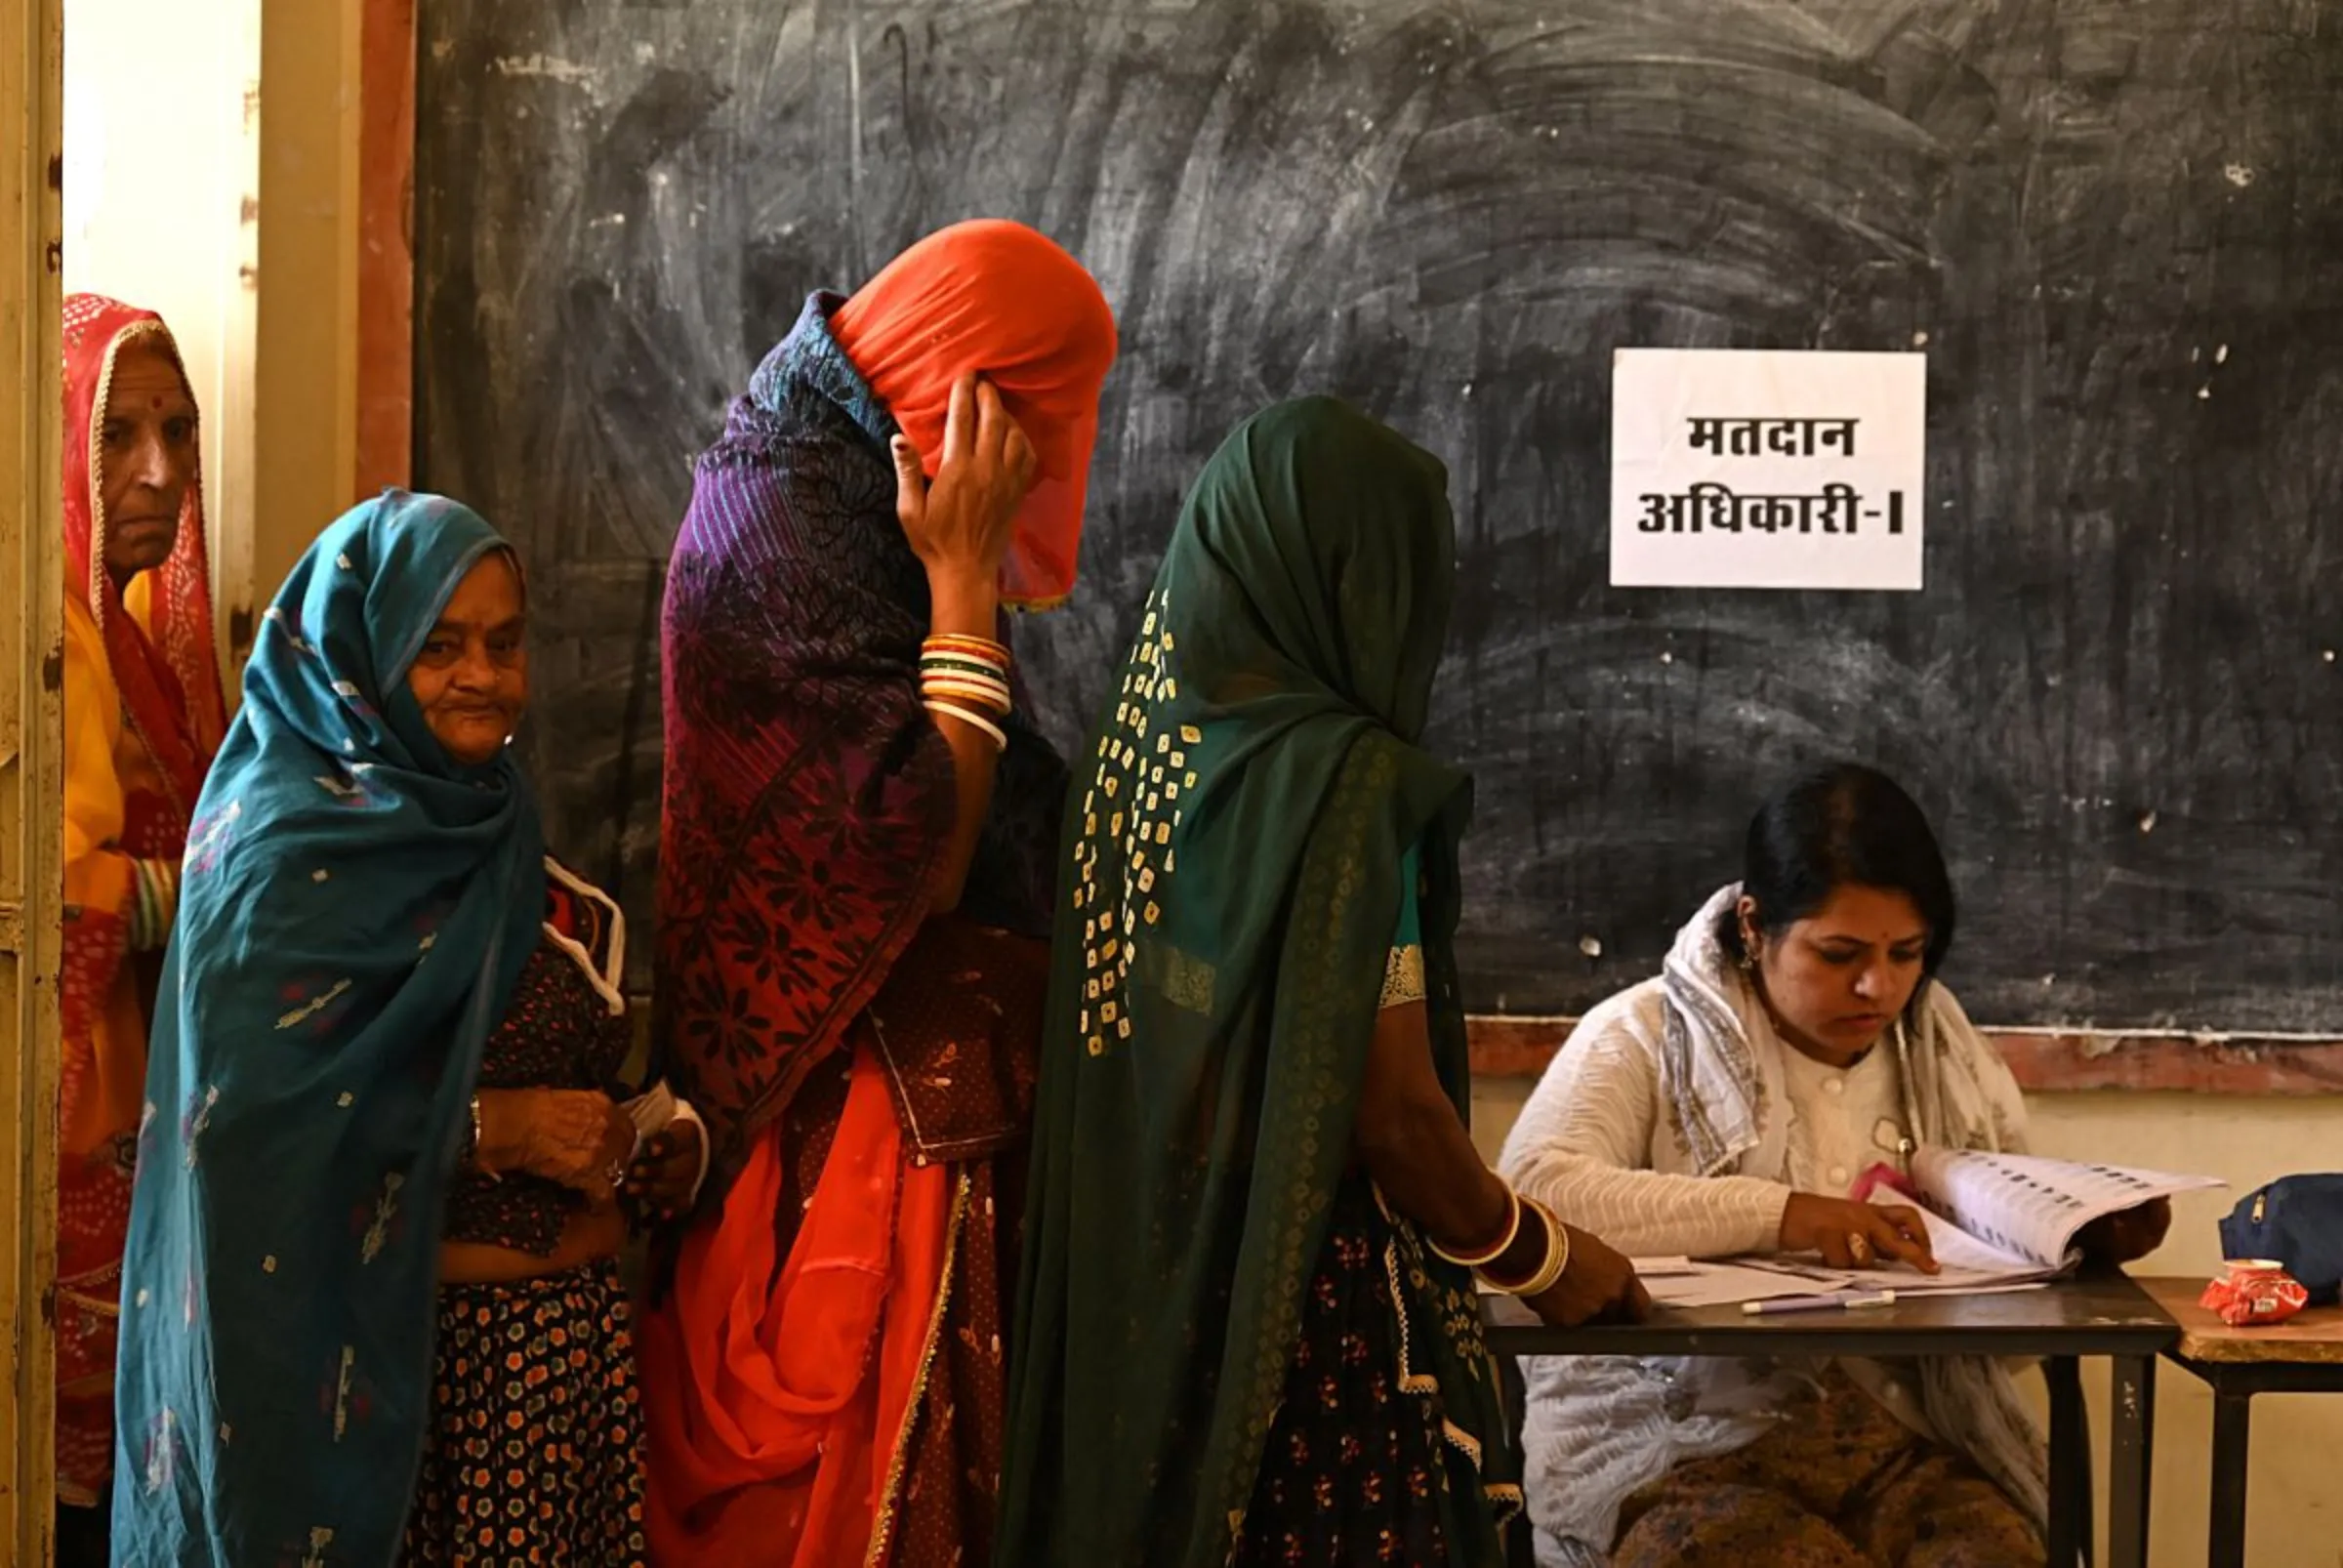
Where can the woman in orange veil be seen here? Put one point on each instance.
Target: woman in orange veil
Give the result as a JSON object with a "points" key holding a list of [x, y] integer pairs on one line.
{"points": [[143, 714], [856, 861]]}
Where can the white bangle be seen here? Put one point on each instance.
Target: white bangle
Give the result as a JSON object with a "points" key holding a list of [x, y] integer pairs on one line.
{"points": [[995, 697], [1000, 736]]}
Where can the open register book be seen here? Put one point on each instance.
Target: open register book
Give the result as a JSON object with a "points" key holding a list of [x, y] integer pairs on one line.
{"points": [[1995, 1222]]}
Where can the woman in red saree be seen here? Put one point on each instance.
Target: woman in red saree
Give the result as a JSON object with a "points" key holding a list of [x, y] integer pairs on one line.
{"points": [[855, 864], [143, 714]]}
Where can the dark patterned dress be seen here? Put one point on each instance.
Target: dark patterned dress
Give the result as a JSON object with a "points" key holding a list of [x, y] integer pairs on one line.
{"points": [[1361, 1459], [534, 1455], [1353, 1474]]}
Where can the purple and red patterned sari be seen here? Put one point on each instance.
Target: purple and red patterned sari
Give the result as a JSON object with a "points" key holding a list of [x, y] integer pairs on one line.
{"points": [[808, 798]]}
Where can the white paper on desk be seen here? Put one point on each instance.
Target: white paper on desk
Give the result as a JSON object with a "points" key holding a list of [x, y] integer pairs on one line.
{"points": [[1730, 1285], [1661, 1267], [1968, 1266]]}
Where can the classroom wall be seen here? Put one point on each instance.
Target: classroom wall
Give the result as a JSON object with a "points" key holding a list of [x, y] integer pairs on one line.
{"points": [[160, 175], [215, 183], [2297, 1512], [308, 247], [252, 185]]}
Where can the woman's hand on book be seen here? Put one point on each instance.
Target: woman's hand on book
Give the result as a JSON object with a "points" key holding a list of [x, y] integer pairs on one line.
{"points": [[1856, 1235], [2130, 1236]]}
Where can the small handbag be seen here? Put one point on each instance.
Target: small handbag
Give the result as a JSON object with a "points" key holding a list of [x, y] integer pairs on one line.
{"points": [[957, 1029], [2296, 1221]]}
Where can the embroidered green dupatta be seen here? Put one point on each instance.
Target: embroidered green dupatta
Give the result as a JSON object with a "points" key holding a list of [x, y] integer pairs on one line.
{"points": [[1230, 887]]}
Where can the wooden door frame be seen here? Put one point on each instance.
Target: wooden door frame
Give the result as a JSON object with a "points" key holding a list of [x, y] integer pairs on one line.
{"points": [[31, 760]]}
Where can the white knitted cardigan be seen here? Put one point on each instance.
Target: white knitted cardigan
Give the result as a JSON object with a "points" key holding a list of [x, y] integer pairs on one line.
{"points": [[1597, 1428]]}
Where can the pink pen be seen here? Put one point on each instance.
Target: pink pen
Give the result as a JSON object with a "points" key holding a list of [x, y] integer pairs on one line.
{"points": [[1842, 1300]]}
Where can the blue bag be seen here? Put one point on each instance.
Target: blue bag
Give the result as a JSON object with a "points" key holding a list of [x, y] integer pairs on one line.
{"points": [[2296, 1221]]}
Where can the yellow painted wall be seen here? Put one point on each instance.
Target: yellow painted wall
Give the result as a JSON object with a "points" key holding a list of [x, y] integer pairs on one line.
{"points": [[2297, 1506]]}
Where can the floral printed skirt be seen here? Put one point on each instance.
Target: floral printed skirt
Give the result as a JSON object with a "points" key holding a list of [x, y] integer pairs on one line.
{"points": [[1840, 1483], [1354, 1472], [534, 1451]]}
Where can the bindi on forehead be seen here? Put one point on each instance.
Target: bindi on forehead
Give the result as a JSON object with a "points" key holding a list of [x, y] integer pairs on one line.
{"points": [[157, 403]]}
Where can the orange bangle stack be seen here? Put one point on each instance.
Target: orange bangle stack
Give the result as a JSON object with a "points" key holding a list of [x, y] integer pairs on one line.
{"points": [[962, 675]]}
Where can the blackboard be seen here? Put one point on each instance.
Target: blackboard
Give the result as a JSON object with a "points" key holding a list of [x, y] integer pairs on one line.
{"points": [[2116, 230]]}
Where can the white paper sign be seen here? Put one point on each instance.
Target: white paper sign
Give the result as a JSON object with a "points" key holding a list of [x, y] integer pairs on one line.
{"points": [[1767, 469]]}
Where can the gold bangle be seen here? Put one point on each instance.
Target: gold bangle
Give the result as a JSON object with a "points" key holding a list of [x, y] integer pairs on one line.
{"points": [[1494, 1251], [1551, 1268]]}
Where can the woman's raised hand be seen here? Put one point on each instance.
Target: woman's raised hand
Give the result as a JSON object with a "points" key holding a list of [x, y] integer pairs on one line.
{"points": [[960, 522]]}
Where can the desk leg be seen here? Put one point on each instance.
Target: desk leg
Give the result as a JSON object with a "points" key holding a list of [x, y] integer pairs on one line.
{"points": [[2130, 1457], [2233, 1418], [2069, 1464]]}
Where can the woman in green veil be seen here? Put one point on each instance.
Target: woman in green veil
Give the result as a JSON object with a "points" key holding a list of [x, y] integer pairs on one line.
{"points": [[1248, 1330]]}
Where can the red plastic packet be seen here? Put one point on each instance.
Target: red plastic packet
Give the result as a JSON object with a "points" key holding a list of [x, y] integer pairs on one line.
{"points": [[2255, 1293]]}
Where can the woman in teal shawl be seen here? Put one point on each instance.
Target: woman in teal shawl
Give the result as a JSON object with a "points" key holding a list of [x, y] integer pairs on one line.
{"points": [[363, 919], [1236, 1340]]}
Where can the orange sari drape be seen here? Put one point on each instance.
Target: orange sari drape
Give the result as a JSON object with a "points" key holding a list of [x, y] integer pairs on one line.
{"points": [[143, 714], [776, 1439]]}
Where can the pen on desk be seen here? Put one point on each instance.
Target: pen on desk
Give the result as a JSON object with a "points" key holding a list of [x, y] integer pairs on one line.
{"points": [[1851, 1302]]}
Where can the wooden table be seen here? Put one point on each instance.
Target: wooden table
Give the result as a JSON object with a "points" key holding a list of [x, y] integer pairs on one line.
{"points": [[2102, 1315], [2302, 1356]]}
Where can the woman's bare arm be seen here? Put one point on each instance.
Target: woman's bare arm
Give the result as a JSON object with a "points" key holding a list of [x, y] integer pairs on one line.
{"points": [[960, 526], [1413, 1144]]}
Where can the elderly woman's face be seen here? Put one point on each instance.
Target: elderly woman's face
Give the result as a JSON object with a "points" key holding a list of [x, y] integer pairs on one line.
{"points": [[471, 679], [1836, 979], [146, 459]]}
